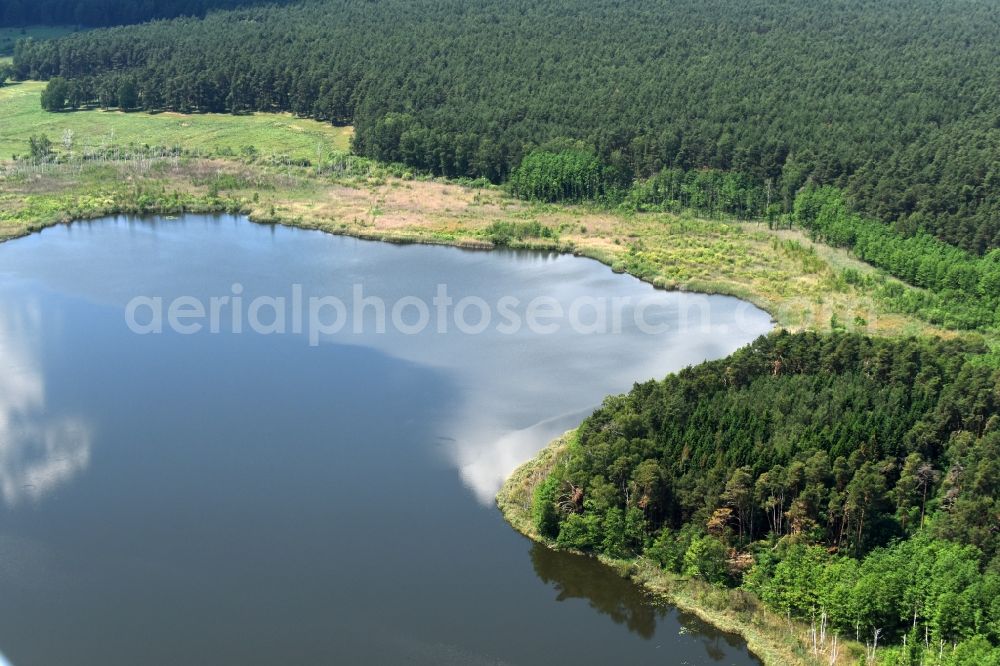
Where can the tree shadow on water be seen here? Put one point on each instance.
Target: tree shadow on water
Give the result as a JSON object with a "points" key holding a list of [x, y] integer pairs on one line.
{"points": [[581, 577]]}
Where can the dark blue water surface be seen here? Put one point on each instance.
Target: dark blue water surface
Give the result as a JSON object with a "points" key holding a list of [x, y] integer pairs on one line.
{"points": [[239, 498]]}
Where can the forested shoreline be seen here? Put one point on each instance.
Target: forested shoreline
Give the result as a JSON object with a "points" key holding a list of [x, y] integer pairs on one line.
{"points": [[857, 95], [846, 481]]}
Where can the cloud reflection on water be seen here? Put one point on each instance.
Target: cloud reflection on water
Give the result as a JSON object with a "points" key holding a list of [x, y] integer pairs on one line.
{"points": [[512, 384], [37, 452], [485, 448], [485, 461]]}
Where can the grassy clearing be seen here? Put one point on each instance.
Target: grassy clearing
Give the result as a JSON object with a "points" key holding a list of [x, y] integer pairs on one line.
{"points": [[10, 36], [774, 639], [271, 134]]}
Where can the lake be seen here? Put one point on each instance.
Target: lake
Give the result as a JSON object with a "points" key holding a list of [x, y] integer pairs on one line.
{"points": [[240, 494]]}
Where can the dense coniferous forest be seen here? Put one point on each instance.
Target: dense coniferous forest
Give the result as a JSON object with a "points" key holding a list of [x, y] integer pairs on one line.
{"points": [[108, 12], [861, 474], [896, 103]]}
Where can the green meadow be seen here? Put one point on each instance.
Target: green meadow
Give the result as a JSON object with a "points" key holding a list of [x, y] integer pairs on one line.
{"points": [[271, 134]]}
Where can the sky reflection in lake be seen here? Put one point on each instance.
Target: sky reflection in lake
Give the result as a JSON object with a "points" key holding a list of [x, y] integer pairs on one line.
{"points": [[249, 499], [37, 452]]}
